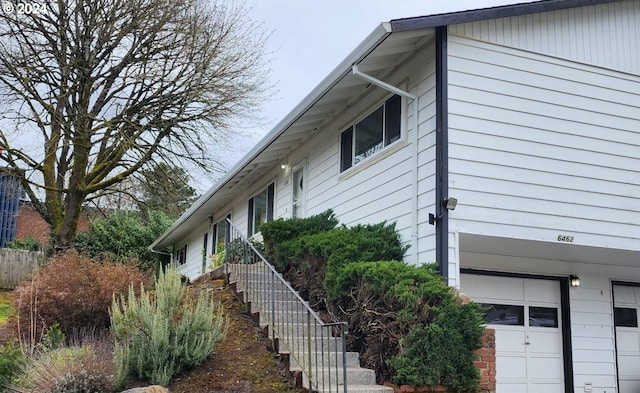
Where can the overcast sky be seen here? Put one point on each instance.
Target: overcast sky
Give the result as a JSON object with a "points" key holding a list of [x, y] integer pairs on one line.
{"points": [[309, 38]]}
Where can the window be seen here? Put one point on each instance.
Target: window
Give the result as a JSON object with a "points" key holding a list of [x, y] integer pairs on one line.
{"points": [[260, 209], [625, 317], [503, 314], [181, 256], [371, 134], [543, 317], [219, 235]]}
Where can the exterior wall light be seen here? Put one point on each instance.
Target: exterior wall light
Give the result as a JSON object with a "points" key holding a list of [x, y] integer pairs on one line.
{"points": [[449, 204], [574, 281]]}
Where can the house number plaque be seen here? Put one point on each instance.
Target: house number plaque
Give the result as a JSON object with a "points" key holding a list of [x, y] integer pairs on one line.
{"points": [[565, 238]]}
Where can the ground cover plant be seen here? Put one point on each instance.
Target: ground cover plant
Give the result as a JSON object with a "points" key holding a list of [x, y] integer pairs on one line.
{"points": [[407, 324]]}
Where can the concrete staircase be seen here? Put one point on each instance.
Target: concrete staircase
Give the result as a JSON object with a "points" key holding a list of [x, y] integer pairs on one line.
{"points": [[314, 350]]}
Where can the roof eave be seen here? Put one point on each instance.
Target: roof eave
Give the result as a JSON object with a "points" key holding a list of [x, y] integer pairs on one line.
{"points": [[452, 18], [374, 39]]}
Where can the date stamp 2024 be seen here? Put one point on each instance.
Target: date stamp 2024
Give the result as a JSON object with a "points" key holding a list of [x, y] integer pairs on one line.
{"points": [[24, 8]]}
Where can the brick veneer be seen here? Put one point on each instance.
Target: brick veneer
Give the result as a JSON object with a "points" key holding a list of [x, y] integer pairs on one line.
{"points": [[486, 362]]}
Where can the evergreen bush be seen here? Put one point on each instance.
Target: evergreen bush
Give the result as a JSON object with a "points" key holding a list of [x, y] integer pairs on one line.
{"points": [[413, 320], [159, 336]]}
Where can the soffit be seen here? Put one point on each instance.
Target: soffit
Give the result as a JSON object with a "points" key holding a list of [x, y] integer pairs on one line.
{"points": [[381, 61]]}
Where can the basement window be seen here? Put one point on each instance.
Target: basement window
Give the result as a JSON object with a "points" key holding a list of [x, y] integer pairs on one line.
{"points": [[371, 134], [260, 209]]}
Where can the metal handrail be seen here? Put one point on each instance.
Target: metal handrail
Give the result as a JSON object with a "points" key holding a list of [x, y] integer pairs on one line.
{"points": [[316, 347]]}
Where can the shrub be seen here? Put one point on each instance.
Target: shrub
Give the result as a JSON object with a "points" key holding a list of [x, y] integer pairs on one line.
{"points": [[29, 243], [72, 291], [279, 234], [310, 261], [157, 337], [12, 361], [125, 235], [83, 369], [413, 319]]}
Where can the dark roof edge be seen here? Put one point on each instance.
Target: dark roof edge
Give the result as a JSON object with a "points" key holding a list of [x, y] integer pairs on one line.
{"points": [[452, 18]]}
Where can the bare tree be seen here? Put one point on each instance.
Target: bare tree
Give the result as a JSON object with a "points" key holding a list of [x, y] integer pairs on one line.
{"points": [[105, 88]]}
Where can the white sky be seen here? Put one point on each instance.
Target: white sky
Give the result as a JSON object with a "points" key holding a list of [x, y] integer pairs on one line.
{"points": [[311, 37]]}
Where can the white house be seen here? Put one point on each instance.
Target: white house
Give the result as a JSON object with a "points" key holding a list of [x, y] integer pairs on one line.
{"points": [[529, 116]]}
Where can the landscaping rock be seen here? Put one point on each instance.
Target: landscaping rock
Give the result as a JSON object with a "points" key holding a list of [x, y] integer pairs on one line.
{"points": [[148, 389]]}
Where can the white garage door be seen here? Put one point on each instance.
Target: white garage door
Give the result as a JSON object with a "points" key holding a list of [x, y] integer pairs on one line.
{"points": [[627, 303], [526, 316]]}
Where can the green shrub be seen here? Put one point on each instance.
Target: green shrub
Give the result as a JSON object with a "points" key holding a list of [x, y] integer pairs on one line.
{"points": [[12, 361], [29, 243], [280, 233], [162, 335], [413, 319], [310, 262], [125, 235]]}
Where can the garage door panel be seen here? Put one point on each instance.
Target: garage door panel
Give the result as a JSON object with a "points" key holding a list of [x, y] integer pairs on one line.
{"points": [[625, 295], [542, 291], [548, 341], [628, 365], [545, 369], [512, 367], [511, 387], [510, 341], [628, 340], [541, 387], [630, 385], [487, 288]]}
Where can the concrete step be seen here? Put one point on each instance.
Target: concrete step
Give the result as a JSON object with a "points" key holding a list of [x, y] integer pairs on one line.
{"points": [[333, 376], [356, 389]]}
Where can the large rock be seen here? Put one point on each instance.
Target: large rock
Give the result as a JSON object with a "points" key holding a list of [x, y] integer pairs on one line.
{"points": [[148, 389]]}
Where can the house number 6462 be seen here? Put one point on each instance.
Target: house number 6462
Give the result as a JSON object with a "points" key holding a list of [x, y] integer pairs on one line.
{"points": [[565, 238]]}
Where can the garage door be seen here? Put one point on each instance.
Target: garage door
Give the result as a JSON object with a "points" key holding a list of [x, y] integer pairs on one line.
{"points": [[627, 302], [526, 316]]}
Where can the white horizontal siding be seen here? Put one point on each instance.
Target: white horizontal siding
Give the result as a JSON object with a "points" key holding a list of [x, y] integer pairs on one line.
{"points": [[192, 268], [605, 35], [541, 146]]}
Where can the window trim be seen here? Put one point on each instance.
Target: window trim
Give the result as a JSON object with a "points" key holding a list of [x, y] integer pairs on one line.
{"points": [[214, 233], [270, 189], [181, 256], [351, 128]]}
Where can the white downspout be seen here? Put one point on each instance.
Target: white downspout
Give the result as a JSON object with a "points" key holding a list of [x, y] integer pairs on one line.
{"points": [[414, 153]]}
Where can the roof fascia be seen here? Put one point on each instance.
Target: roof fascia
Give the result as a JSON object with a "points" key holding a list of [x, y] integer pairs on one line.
{"points": [[375, 38], [453, 18]]}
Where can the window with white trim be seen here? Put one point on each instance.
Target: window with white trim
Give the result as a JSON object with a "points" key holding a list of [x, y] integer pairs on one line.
{"points": [[371, 134], [260, 209], [220, 235], [181, 256]]}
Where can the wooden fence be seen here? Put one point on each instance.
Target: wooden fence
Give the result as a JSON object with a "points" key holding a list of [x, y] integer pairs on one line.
{"points": [[16, 265]]}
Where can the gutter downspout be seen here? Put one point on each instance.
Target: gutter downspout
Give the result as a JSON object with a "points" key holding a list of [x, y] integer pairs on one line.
{"points": [[414, 152], [442, 153]]}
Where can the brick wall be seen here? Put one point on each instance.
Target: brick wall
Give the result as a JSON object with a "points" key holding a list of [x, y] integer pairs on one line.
{"points": [[30, 223], [486, 362]]}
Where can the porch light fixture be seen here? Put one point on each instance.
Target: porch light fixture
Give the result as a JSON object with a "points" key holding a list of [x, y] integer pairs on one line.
{"points": [[574, 281], [283, 166]]}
